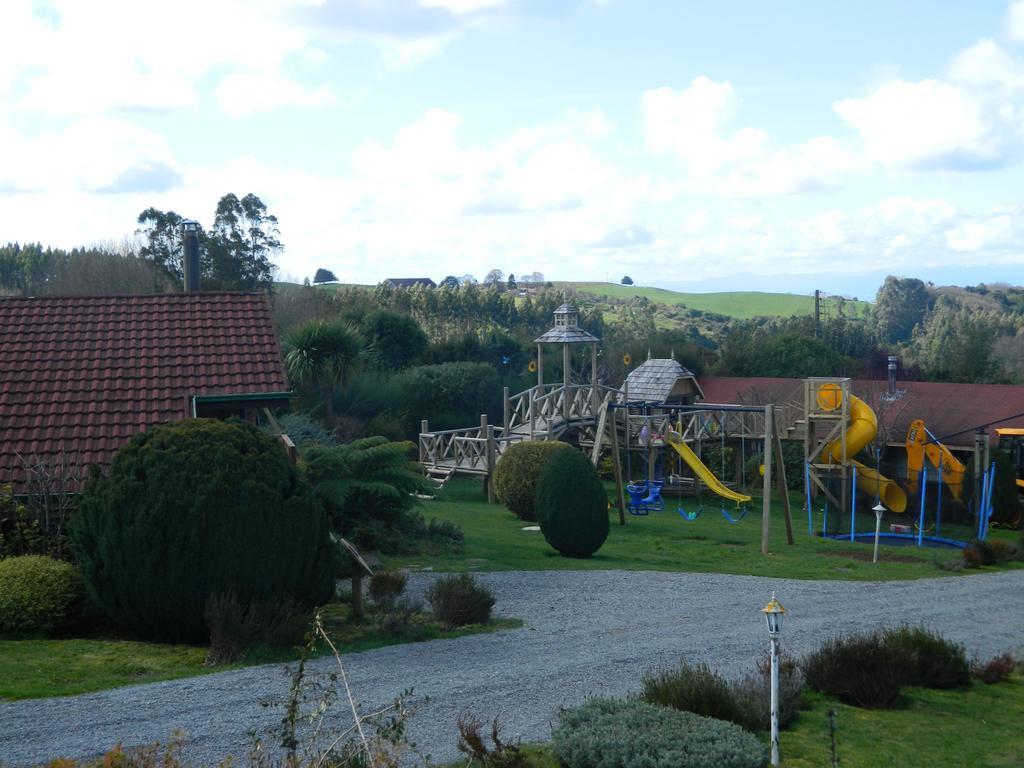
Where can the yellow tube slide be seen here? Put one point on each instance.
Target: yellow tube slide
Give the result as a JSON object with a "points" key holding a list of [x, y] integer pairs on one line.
{"points": [[706, 475], [938, 454], [860, 431]]}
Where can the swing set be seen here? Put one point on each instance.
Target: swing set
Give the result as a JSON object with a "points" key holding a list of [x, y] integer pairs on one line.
{"points": [[648, 430]]}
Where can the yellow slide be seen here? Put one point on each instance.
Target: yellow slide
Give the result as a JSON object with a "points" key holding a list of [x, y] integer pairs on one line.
{"points": [[938, 455], [706, 475], [860, 431]]}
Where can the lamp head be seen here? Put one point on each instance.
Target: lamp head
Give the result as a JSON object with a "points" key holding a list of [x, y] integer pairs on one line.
{"points": [[773, 613]]}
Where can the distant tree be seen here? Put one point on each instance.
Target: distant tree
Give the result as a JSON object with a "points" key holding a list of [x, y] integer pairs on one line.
{"points": [[451, 282], [321, 355], [494, 277], [512, 282], [324, 276], [627, 280], [241, 243], [396, 340], [163, 247], [901, 303], [468, 279]]}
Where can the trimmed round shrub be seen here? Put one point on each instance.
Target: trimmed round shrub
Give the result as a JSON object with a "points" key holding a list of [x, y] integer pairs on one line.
{"points": [[196, 509], [572, 507], [36, 593], [862, 670], [460, 600], [635, 734], [515, 476]]}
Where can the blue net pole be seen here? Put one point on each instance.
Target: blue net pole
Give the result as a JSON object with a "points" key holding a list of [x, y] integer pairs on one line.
{"points": [[924, 496], [853, 503], [807, 494]]}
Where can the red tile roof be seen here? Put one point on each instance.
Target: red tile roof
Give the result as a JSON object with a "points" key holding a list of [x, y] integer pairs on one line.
{"points": [[81, 375], [945, 408]]}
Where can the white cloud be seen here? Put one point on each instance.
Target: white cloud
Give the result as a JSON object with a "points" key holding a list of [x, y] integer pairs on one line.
{"points": [[94, 154], [693, 125], [1015, 22], [90, 58], [460, 7], [243, 94]]}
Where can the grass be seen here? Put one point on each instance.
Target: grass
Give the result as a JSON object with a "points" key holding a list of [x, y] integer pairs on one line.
{"points": [[979, 728], [738, 304], [38, 668], [664, 541]]}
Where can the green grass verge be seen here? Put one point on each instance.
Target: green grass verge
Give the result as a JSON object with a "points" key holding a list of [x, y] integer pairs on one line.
{"points": [[978, 728], [664, 541], [39, 668], [738, 304]]}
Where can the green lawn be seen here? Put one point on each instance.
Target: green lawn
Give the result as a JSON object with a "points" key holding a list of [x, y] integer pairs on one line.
{"points": [[738, 304], [979, 728], [38, 668], [664, 541], [953, 729]]}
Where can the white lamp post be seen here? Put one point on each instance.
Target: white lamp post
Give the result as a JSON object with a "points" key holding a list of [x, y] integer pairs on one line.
{"points": [[773, 616], [879, 510]]}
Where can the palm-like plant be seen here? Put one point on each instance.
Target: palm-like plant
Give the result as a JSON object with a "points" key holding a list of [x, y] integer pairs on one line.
{"points": [[321, 354], [369, 486]]}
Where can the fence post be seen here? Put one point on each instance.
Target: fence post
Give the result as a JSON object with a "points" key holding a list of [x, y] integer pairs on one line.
{"points": [[506, 419], [423, 431], [490, 464]]}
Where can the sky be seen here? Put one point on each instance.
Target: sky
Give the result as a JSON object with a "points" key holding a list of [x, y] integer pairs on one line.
{"points": [[699, 146]]}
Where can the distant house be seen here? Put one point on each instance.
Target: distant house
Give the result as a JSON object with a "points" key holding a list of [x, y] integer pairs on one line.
{"points": [[409, 282], [79, 376]]}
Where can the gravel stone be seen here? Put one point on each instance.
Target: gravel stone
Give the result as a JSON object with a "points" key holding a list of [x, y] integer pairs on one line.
{"points": [[585, 634]]}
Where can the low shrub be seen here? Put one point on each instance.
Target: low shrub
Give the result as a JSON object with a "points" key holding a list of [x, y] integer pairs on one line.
{"points": [[37, 593], [745, 702], [572, 506], [236, 627], [752, 695], [996, 670], [691, 688], [460, 600], [516, 473], [928, 660], [862, 670], [989, 552], [386, 587], [635, 734], [473, 744], [442, 534]]}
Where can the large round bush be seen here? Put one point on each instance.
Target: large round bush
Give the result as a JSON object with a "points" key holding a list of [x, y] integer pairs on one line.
{"points": [[572, 507], [515, 476], [196, 509], [606, 733], [36, 593]]}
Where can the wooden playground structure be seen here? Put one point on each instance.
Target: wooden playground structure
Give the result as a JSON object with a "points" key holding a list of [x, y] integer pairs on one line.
{"points": [[599, 418]]}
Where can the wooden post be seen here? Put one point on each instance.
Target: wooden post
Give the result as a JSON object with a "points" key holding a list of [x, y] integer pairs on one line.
{"points": [[766, 488], [617, 466], [595, 401], [357, 593], [566, 380], [533, 413], [506, 418], [540, 366], [423, 431], [783, 485], [491, 498]]}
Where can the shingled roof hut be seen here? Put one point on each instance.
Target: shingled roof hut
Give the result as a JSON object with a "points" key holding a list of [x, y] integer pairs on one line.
{"points": [[662, 380]]}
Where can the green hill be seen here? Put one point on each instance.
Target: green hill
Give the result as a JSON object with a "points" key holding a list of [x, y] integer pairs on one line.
{"points": [[738, 304]]}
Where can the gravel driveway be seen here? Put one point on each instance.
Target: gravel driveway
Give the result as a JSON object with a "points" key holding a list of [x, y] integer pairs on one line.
{"points": [[585, 634]]}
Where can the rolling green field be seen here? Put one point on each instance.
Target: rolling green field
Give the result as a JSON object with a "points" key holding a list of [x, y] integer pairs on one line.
{"points": [[738, 304]]}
